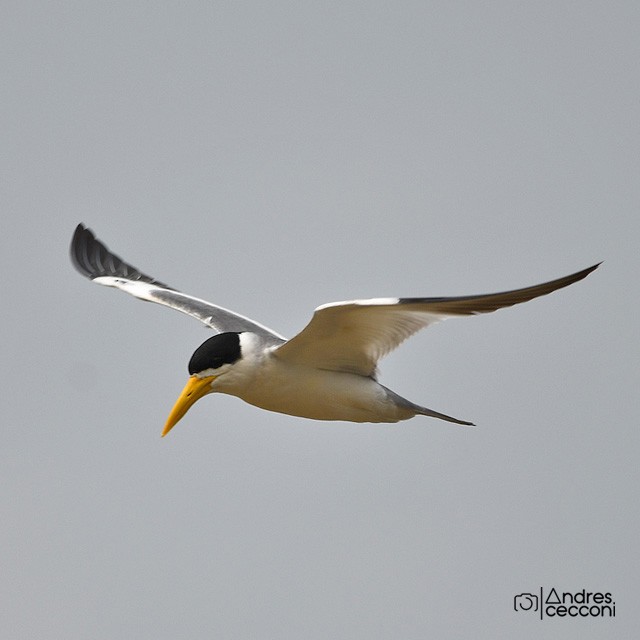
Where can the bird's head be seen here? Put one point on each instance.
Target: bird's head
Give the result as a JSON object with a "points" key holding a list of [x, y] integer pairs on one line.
{"points": [[211, 360]]}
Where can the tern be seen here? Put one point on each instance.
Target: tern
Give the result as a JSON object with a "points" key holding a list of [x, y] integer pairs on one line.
{"points": [[326, 372]]}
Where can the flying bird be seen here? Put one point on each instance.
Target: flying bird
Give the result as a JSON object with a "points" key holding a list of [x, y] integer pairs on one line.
{"points": [[327, 371]]}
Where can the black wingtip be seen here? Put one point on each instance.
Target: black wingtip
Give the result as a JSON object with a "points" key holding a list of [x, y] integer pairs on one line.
{"points": [[79, 250], [588, 270], [580, 275], [92, 259]]}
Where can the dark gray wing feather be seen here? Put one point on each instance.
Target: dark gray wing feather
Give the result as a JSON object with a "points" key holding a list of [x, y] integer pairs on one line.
{"points": [[94, 261], [353, 335]]}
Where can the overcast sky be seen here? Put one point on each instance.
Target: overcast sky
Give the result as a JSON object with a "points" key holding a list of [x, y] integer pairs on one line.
{"points": [[271, 157]]}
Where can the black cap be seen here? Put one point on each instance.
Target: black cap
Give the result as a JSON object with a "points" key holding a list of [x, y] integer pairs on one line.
{"points": [[220, 349]]}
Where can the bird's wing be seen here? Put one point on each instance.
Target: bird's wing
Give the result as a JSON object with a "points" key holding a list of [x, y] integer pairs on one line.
{"points": [[93, 260], [352, 336]]}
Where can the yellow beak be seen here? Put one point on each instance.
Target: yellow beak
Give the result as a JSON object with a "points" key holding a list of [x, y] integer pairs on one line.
{"points": [[193, 391]]}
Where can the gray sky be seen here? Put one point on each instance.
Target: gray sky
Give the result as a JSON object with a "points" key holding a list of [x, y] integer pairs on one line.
{"points": [[271, 157]]}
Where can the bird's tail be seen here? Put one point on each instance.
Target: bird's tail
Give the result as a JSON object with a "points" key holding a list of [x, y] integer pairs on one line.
{"points": [[423, 411], [403, 403]]}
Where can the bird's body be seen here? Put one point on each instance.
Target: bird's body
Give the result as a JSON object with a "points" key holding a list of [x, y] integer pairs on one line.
{"points": [[326, 372], [267, 382], [264, 380]]}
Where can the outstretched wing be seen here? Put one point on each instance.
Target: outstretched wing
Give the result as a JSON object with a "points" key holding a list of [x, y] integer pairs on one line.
{"points": [[352, 336], [94, 261]]}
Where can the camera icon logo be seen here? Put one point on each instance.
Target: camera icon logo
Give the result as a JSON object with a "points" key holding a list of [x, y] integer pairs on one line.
{"points": [[525, 602]]}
